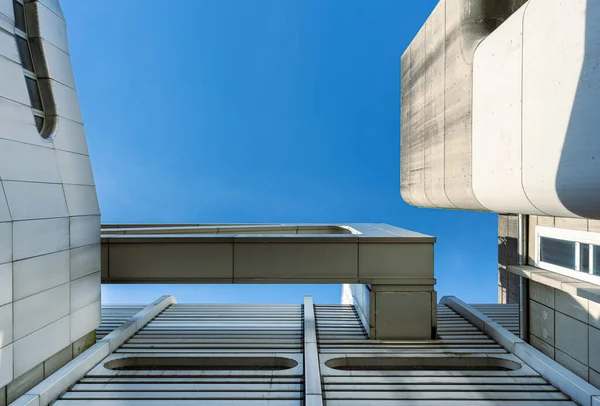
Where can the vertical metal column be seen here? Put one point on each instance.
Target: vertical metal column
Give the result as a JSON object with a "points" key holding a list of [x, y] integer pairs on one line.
{"points": [[312, 371], [523, 282]]}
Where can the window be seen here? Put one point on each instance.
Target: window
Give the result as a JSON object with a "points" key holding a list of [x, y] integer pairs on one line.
{"points": [[33, 85], [572, 253]]}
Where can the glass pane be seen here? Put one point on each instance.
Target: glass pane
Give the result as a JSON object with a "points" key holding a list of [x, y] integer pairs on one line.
{"points": [[596, 260], [557, 252], [584, 258], [24, 53], [39, 122], [19, 16], [34, 93]]}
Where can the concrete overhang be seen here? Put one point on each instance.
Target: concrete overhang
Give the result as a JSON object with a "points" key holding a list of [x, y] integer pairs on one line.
{"points": [[266, 253]]}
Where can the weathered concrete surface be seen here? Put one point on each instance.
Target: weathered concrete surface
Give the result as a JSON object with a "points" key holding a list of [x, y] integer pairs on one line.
{"points": [[437, 81], [519, 131]]}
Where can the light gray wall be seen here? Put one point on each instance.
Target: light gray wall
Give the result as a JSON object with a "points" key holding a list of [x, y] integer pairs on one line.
{"points": [[535, 122], [567, 329], [49, 215], [515, 128]]}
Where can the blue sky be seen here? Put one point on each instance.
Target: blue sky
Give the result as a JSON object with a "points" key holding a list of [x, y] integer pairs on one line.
{"points": [[258, 111]]}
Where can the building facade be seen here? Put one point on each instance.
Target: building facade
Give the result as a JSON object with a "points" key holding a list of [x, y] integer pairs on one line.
{"points": [[391, 341], [49, 215], [499, 113]]}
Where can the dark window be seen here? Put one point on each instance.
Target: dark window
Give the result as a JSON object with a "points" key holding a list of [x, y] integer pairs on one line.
{"points": [[557, 252], [24, 53], [596, 260], [19, 16], [34, 89], [34, 93], [584, 258], [39, 122]]}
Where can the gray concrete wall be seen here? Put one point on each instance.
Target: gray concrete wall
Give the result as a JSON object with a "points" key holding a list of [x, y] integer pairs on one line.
{"points": [[514, 129], [508, 283], [437, 89], [49, 215]]}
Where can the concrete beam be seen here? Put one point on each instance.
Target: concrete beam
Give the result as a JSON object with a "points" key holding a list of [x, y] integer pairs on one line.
{"points": [[363, 253]]}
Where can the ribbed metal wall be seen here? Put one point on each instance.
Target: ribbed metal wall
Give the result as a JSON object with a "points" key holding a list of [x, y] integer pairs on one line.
{"points": [[113, 316], [188, 331], [423, 387], [205, 330], [507, 315]]}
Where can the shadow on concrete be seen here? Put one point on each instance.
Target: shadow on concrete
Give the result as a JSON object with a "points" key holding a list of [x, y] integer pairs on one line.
{"points": [[578, 175]]}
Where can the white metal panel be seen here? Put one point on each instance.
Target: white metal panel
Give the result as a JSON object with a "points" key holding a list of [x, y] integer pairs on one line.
{"points": [[18, 125], [75, 168], [64, 102], [48, 25], [6, 283], [39, 310], [4, 212], [85, 230], [6, 365], [30, 200], [85, 320], [52, 5], [70, 136], [84, 260], [6, 247], [29, 163], [85, 291], [82, 200], [40, 345], [58, 64], [34, 275], [38, 237], [6, 8], [6, 325], [8, 45], [12, 82]]}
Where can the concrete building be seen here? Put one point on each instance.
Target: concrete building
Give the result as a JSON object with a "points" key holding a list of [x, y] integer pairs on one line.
{"points": [[500, 113], [391, 341]]}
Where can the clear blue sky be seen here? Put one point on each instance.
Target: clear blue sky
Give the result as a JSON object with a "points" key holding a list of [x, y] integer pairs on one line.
{"points": [[258, 111]]}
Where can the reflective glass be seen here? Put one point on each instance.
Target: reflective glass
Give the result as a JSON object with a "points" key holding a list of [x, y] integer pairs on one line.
{"points": [[19, 16], [34, 93], [557, 252], [24, 53]]}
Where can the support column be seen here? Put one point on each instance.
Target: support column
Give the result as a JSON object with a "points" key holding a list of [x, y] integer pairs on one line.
{"points": [[395, 312], [312, 370]]}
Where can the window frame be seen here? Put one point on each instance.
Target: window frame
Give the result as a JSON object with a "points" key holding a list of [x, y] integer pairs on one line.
{"points": [[31, 74], [579, 238]]}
